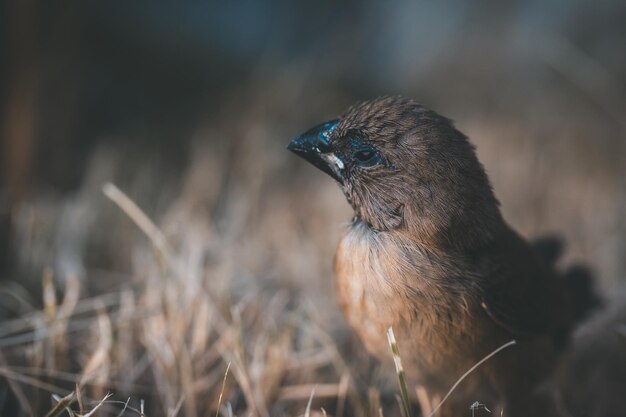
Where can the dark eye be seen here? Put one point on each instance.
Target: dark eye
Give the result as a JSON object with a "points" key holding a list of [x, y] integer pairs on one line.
{"points": [[366, 156]]}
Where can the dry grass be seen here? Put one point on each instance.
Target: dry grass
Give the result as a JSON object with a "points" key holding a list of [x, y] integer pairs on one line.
{"points": [[228, 278], [171, 339]]}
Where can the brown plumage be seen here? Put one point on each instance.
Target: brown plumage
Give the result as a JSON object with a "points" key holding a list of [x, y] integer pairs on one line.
{"points": [[429, 253]]}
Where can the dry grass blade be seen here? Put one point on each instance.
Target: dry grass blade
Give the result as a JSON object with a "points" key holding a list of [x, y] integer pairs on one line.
{"points": [[307, 411], [219, 399], [97, 366], [79, 398], [13, 377], [300, 392], [176, 410], [344, 385], [62, 404], [25, 322], [404, 393], [373, 401], [15, 388], [424, 400], [469, 371], [102, 401], [123, 410], [49, 296], [140, 218]]}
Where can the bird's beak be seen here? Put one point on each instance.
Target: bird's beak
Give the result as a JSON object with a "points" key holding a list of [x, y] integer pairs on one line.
{"points": [[314, 147]]}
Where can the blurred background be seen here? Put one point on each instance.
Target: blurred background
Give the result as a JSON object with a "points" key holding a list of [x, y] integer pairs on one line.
{"points": [[187, 108]]}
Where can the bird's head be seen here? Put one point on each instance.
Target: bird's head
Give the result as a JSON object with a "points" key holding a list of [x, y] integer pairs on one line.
{"points": [[402, 166]]}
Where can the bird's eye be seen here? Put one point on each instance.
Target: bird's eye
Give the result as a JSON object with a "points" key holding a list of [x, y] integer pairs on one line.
{"points": [[366, 156]]}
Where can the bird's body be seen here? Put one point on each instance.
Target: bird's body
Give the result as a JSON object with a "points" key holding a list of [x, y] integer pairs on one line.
{"points": [[435, 303], [429, 254], [384, 280]]}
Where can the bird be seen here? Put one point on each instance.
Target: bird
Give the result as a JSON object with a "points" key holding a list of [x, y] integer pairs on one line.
{"points": [[429, 254]]}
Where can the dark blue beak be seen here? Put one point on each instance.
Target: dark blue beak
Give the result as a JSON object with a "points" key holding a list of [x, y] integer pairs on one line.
{"points": [[314, 147]]}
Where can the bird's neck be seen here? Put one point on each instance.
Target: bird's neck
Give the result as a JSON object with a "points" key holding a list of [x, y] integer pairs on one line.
{"points": [[464, 235]]}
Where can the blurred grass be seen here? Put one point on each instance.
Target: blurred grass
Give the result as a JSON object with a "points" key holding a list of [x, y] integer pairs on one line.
{"points": [[235, 279]]}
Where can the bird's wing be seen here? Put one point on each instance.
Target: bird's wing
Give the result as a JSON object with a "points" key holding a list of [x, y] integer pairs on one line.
{"points": [[518, 310], [521, 293], [549, 248], [578, 278]]}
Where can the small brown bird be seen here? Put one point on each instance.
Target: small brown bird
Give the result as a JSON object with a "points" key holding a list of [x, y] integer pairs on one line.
{"points": [[429, 254]]}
